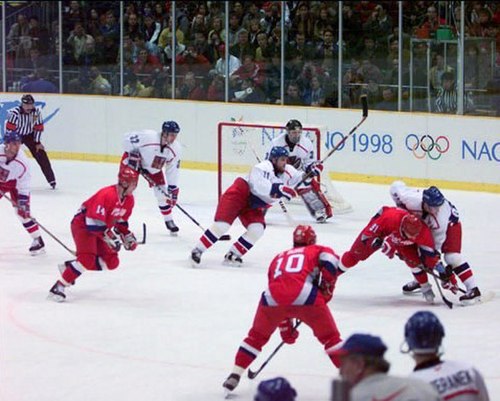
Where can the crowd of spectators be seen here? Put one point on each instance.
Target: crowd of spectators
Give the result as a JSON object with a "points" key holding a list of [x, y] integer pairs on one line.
{"points": [[91, 49]]}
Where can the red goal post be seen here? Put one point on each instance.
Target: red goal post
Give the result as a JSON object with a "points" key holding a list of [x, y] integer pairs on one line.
{"points": [[241, 144]]}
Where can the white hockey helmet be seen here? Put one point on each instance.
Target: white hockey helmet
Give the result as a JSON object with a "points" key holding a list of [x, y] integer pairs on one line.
{"points": [[397, 187]]}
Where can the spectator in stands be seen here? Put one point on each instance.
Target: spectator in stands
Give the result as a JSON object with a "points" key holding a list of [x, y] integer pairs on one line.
{"points": [[39, 83], [389, 101], [327, 52], [352, 82], [82, 46], [303, 21], [133, 86], [378, 25], [272, 17], [201, 45], [437, 70], [93, 24], [253, 31], [252, 13], [146, 63], [165, 38], [248, 93], [446, 99], [325, 20], [159, 15], [293, 96], [248, 69], [72, 14], [213, 43], [369, 71], [151, 32], [374, 51], [191, 60], [315, 95], [234, 28], [217, 27], [98, 84], [300, 46], [111, 28], [191, 89], [264, 51], [216, 89], [39, 34], [430, 25], [198, 25], [18, 39], [220, 65], [351, 23], [242, 46]]}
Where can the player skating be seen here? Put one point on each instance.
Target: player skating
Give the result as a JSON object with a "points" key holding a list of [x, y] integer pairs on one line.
{"points": [[150, 152], [397, 232], [443, 219], [15, 181], [247, 199], [453, 380], [99, 229], [301, 281], [301, 156]]}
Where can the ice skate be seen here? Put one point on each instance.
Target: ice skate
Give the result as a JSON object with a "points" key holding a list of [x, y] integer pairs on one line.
{"points": [[412, 287], [321, 216], [427, 293], [172, 228], [232, 259], [471, 296], [196, 257], [56, 293], [52, 184], [37, 246], [231, 382]]}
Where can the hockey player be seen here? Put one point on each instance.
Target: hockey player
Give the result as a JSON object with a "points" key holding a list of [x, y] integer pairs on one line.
{"points": [[397, 232], [301, 157], [248, 198], [443, 219], [364, 368], [149, 152], [99, 229], [15, 181], [454, 381], [301, 281]]}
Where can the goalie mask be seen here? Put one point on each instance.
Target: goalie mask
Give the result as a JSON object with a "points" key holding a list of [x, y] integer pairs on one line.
{"points": [[424, 333], [411, 226], [293, 131], [303, 236]]}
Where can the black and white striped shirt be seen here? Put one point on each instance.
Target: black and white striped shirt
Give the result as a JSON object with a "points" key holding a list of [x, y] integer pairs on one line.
{"points": [[446, 101], [25, 123]]}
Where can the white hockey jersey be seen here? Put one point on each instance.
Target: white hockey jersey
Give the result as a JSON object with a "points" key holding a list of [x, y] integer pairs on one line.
{"points": [[381, 386], [17, 170], [411, 200], [155, 157], [301, 155], [455, 381], [262, 177]]}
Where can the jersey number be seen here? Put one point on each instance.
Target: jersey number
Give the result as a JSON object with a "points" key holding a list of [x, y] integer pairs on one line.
{"points": [[293, 264]]}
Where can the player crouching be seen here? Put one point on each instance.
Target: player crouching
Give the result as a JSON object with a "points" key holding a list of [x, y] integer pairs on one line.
{"points": [[99, 229], [15, 181]]}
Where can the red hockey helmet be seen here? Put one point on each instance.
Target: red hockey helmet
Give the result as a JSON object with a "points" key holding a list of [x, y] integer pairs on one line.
{"points": [[411, 226], [304, 235], [127, 176]]}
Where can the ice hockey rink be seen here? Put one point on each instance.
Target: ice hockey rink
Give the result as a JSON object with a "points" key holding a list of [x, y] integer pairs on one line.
{"points": [[158, 329]]}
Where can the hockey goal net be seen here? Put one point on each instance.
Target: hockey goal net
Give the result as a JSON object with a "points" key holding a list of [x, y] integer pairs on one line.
{"points": [[241, 145]]}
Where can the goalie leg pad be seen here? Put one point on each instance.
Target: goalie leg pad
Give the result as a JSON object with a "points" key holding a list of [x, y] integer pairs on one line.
{"points": [[316, 202]]}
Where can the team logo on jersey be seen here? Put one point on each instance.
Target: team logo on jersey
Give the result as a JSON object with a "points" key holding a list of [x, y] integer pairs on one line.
{"points": [[118, 212], [427, 146], [7, 105]]}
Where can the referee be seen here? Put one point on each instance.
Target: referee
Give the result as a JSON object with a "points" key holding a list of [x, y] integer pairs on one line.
{"points": [[27, 120]]}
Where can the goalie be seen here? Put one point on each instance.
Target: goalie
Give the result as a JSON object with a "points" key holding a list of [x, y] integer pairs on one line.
{"points": [[301, 157]]}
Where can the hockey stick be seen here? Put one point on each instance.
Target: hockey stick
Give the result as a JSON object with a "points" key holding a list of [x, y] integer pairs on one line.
{"points": [[364, 104], [225, 237], [253, 374], [448, 303], [41, 226]]}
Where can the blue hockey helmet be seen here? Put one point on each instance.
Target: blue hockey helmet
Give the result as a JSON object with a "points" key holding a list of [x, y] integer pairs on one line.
{"points": [[11, 136], [170, 127], [424, 333], [433, 197], [278, 151], [277, 389]]}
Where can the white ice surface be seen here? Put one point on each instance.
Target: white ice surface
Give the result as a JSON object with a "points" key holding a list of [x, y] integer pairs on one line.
{"points": [[157, 329]]}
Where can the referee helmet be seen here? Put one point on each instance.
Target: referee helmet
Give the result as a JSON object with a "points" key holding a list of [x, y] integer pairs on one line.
{"points": [[27, 99]]}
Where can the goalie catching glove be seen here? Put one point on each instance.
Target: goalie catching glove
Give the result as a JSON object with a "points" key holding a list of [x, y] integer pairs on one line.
{"points": [[288, 333], [314, 169], [282, 191]]}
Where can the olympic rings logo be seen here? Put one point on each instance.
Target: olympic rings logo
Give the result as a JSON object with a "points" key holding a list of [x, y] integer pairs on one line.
{"points": [[426, 145]]}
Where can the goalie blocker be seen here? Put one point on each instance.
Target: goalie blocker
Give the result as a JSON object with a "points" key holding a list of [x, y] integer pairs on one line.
{"points": [[316, 202]]}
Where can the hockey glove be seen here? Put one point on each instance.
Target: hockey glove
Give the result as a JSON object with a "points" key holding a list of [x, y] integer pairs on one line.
{"points": [[388, 247], [282, 191], [314, 169], [23, 206], [129, 241], [134, 160], [173, 192], [287, 332], [377, 243], [448, 279], [112, 239]]}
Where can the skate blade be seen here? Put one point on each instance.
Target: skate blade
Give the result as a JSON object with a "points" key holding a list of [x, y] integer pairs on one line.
{"points": [[37, 252]]}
